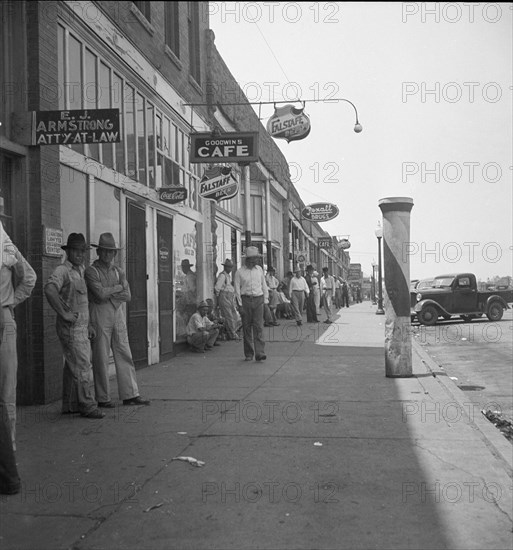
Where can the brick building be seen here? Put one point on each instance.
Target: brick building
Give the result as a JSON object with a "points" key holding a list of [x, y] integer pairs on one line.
{"points": [[157, 64]]}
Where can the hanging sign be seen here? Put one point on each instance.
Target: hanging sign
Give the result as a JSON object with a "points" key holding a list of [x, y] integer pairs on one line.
{"points": [[76, 127], [229, 147], [218, 184], [173, 195], [344, 244], [320, 212], [324, 242], [289, 123]]}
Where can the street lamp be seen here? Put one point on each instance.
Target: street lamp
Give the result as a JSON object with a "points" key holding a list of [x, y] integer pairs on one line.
{"points": [[373, 286], [379, 235]]}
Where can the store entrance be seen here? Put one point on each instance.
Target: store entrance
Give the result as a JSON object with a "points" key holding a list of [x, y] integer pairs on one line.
{"points": [[136, 273], [165, 285]]}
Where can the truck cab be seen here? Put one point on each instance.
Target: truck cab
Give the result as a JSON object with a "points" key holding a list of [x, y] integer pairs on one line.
{"points": [[457, 294]]}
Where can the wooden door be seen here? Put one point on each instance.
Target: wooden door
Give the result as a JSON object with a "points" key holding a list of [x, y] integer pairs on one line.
{"points": [[137, 276], [165, 285]]}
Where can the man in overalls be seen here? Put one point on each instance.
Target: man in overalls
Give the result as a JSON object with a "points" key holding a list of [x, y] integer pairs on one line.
{"points": [[226, 300], [108, 289], [66, 292]]}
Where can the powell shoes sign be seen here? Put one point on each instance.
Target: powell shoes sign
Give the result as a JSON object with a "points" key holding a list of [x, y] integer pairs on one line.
{"points": [[289, 123], [229, 147], [320, 212], [218, 184]]}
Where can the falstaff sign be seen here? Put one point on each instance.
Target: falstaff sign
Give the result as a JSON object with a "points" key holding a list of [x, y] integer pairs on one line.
{"points": [[320, 212], [76, 127], [229, 147], [218, 184], [289, 123]]}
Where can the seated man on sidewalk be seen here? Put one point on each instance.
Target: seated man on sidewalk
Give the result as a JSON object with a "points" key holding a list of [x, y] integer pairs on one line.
{"points": [[201, 331]]}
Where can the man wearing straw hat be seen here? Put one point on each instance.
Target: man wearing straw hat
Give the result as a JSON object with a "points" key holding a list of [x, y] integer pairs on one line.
{"points": [[108, 289], [226, 299], [66, 292], [251, 294]]}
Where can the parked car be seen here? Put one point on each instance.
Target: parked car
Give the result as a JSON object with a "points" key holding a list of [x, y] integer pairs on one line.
{"points": [[457, 295]]}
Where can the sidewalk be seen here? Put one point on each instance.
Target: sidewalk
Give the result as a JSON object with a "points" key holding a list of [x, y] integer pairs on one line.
{"points": [[312, 449]]}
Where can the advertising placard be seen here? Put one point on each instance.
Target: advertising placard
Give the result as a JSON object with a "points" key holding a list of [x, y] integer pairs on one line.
{"points": [[229, 147]]}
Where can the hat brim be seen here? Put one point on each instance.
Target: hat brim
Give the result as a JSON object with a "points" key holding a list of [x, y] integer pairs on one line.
{"points": [[66, 247], [105, 247]]}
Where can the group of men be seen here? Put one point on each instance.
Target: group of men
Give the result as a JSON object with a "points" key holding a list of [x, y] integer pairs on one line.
{"points": [[90, 323], [256, 298]]}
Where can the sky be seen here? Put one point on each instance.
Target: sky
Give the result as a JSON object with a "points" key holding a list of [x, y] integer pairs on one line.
{"points": [[432, 84]]}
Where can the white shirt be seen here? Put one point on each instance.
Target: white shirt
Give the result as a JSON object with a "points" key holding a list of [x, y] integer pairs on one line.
{"points": [[250, 282], [328, 284], [299, 283]]}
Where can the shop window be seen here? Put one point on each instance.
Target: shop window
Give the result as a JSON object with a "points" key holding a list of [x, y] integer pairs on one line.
{"points": [[144, 8], [194, 45], [6, 179], [141, 139], [74, 203], [106, 212], [91, 96], [73, 80], [257, 227], [150, 137], [185, 283], [129, 117], [117, 103], [172, 27], [104, 88], [60, 66]]}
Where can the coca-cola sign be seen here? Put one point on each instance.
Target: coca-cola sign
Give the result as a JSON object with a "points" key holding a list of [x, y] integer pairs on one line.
{"points": [[320, 212], [289, 123], [218, 184], [173, 195]]}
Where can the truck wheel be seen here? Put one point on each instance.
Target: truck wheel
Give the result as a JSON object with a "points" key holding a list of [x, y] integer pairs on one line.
{"points": [[495, 311], [428, 316]]}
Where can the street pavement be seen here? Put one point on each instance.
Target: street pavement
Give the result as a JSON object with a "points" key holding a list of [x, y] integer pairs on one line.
{"points": [[312, 449]]}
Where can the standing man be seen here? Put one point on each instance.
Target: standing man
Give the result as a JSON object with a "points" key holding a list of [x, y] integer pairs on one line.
{"points": [[201, 331], [13, 267], [108, 289], [345, 294], [298, 290], [189, 289], [225, 293], [66, 292], [270, 310], [251, 294], [327, 288], [311, 309]]}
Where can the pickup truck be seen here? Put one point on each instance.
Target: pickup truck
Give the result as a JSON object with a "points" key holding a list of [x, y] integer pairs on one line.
{"points": [[457, 295]]}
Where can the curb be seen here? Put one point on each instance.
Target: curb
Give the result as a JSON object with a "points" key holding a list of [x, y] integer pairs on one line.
{"points": [[497, 444]]}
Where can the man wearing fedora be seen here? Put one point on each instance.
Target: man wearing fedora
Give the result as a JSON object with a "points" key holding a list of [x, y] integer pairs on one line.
{"points": [[225, 293], [108, 289], [66, 292], [189, 289], [251, 294], [201, 331]]}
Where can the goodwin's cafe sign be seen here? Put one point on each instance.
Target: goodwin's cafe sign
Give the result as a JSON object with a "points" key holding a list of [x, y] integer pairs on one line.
{"points": [[229, 147]]}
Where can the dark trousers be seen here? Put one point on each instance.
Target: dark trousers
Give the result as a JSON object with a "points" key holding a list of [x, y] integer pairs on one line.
{"points": [[253, 325], [9, 478]]}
